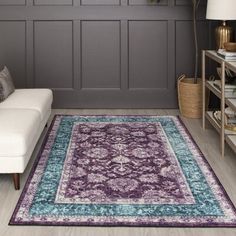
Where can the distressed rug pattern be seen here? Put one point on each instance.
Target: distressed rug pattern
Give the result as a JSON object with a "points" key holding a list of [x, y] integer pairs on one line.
{"points": [[122, 171]]}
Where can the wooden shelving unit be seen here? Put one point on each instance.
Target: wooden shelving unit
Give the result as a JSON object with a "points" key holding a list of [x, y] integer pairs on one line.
{"points": [[225, 135]]}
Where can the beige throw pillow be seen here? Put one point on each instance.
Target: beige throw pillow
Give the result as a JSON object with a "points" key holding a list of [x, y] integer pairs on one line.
{"points": [[6, 84]]}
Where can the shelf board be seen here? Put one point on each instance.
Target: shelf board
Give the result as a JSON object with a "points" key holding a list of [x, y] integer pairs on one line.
{"points": [[231, 102], [209, 116], [213, 55], [231, 140], [230, 136], [231, 65], [212, 88]]}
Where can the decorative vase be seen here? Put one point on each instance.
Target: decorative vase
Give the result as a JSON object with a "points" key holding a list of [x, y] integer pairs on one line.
{"points": [[190, 97]]}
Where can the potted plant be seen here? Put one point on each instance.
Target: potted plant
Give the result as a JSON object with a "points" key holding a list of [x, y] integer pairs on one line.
{"points": [[190, 89]]}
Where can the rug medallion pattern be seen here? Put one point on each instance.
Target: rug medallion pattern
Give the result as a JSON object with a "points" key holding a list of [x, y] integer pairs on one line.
{"points": [[122, 170]]}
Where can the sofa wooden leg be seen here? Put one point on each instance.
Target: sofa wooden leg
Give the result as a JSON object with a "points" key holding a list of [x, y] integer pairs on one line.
{"points": [[16, 179]]}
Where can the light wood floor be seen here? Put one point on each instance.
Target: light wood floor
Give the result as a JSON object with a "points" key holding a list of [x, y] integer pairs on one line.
{"points": [[208, 141]]}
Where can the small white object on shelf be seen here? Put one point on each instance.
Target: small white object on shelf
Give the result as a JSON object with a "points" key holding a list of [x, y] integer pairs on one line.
{"points": [[230, 113]]}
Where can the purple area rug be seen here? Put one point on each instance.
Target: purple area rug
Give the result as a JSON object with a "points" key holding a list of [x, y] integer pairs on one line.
{"points": [[122, 171]]}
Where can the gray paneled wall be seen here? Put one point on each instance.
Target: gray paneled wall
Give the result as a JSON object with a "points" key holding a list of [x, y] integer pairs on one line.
{"points": [[148, 55], [100, 53], [100, 56], [53, 54]]}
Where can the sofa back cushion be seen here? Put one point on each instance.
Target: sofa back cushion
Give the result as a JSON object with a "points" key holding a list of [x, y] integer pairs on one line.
{"points": [[6, 84]]}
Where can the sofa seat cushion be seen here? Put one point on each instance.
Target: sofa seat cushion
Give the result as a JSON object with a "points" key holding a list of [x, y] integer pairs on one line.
{"points": [[37, 99], [17, 130]]}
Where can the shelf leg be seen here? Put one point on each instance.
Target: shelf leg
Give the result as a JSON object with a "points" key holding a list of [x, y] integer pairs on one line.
{"points": [[203, 89], [222, 136]]}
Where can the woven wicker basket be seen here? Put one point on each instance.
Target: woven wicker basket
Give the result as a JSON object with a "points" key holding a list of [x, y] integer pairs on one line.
{"points": [[190, 97]]}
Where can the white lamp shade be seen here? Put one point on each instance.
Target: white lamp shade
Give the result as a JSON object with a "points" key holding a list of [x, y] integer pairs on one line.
{"points": [[221, 10]]}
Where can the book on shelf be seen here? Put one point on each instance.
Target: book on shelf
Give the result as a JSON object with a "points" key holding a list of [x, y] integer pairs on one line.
{"points": [[230, 89], [231, 121], [230, 94], [227, 58], [217, 83], [231, 56]]}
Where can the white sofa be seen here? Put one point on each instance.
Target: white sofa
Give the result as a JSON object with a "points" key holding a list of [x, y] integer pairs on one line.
{"points": [[23, 116]]}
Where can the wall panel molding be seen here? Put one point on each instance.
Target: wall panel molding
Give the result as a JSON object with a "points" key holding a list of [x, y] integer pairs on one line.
{"points": [[53, 2], [147, 3], [53, 54], [12, 2], [77, 55], [100, 54], [187, 2], [124, 54], [100, 2], [148, 56], [13, 50], [30, 54]]}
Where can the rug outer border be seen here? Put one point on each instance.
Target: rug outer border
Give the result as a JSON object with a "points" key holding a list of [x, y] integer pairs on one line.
{"points": [[148, 225]]}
